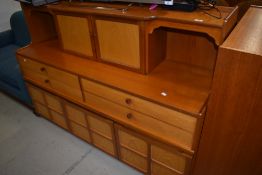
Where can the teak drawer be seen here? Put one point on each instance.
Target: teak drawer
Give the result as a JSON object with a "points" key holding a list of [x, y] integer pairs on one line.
{"points": [[47, 76], [143, 122], [177, 119]]}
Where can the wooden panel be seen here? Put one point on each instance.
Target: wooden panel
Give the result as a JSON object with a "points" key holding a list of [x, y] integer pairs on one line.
{"points": [[59, 119], [80, 131], [76, 114], [37, 78], [132, 142], [119, 42], [42, 110], [157, 169], [28, 64], [173, 160], [103, 143], [68, 90], [54, 103], [191, 48], [36, 94], [231, 137], [177, 119], [133, 159], [75, 34], [99, 125], [62, 76], [145, 123]]}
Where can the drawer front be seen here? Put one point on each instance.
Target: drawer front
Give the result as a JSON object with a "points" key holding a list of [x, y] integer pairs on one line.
{"points": [[36, 94], [65, 89], [76, 114], [158, 169], [64, 77], [80, 131], [103, 143], [172, 160], [59, 119], [42, 110], [143, 122], [54, 103], [177, 119], [30, 65], [132, 142], [99, 125], [39, 79], [133, 159]]}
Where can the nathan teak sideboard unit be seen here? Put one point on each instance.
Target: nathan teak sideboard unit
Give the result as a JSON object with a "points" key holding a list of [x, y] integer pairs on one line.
{"points": [[134, 83]]}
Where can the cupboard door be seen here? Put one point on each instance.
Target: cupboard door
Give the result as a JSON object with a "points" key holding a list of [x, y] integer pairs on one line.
{"points": [[54, 103], [59, 119], [103, 143], [75, 34], [137, 161], [80, 131], [167, 159], [42, 110], [118, 42], [76, 114], [36, 94]]}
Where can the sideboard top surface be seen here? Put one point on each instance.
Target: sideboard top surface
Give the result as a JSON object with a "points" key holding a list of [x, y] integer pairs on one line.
{"points": [[244, 38]]}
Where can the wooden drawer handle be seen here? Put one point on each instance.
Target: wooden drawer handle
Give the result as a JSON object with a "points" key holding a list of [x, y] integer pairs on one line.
{"points": [[128, 101], [129, 116], [47, 81], [42, 69]]}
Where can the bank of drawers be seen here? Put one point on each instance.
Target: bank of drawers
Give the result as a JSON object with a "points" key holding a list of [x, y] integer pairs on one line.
{"points": [[149, 156], [155, 119], [48, 106], [49, 77]]}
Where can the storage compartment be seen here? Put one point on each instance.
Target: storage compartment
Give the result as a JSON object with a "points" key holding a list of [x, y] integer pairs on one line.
{"points": [[54, 103], [59, 119], [42, 110], [80, 131]]}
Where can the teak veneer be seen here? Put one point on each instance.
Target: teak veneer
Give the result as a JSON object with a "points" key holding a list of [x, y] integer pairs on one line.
{"points": [[159, 90]]}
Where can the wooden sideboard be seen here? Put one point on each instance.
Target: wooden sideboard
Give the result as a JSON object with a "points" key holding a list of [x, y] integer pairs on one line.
{"points": [[134, 83]]}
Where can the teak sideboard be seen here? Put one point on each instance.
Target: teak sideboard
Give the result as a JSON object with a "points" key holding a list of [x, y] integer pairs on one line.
{"points": [[159, 90]]}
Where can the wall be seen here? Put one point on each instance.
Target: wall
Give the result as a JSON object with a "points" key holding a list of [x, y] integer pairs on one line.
{"points": [[7, 8]]}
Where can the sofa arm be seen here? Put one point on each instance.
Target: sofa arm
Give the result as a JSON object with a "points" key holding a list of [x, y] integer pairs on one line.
{"points": [[6, 37]]}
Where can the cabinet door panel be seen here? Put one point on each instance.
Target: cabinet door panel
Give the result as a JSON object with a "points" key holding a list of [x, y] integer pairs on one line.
{"points": [[119, 42], [99, 125], [80, 131], [42, 110], [174, 160], [157, 169], [54, 103], [133, 159], [75, 34], [76, 114], [132, 142], [103, 143], [36, 94], [59, 119]]}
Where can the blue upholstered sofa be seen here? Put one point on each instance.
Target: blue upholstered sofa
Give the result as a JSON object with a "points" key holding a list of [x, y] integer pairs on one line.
{"points": [[11, 80]]}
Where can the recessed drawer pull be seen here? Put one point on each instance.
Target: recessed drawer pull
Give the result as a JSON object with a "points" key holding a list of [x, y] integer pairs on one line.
{"points": [[42, 69], [129, 116], [128, 101], [47, 81]]}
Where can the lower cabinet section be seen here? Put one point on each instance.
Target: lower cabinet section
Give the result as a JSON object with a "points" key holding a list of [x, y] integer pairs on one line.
{"points": [[139, 151]]}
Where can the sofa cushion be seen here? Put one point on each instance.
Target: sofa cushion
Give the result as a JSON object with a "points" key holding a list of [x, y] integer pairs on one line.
{"points": [[9, 68]]}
